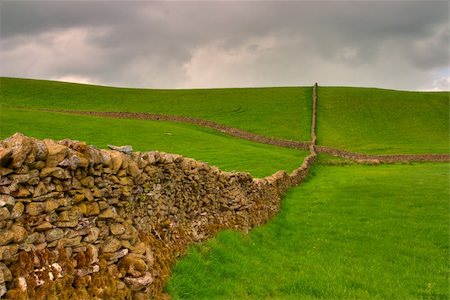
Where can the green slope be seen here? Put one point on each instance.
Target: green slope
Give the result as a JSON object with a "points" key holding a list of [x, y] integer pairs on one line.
{"points": [[383, 121], [278, 112], [353, 232], [200, 143]]}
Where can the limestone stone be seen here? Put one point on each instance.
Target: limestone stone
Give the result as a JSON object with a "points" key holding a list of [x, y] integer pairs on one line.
{"points": [[3, 289], [8, 251], [20, 146], [56, 153], [4, 214], [111, 245], [69, 242], [54, 234], [116, 255], [19, 178], [35, 208], [51, 205], [19, 233], [133, 265], [7, 200], [116, 161], [6, 236], [86, 271], [40, 189], [92, 209], [5, 155], [87, 182], [92, 235], [5, 273], [43, 226], [139, 283], [17, 210], [34, 180], [109, 213], [117, 229], [92, 254]]}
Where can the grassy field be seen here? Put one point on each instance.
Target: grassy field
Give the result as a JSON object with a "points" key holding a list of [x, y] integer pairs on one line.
{"points": [[383, 121], [278, 112], [200, 143], [353, 232], [365, 232]]}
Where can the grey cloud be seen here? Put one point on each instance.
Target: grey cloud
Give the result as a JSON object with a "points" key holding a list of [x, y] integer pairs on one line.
{"points": [[160, 44]]}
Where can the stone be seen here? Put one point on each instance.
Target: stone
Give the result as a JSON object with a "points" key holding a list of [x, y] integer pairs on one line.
{"points": [[54, 234], [22, 192], [111, 245], [5, 273], [4, 214], [43, 226], [40, 190], [117, 229], [20, 146], [92, 254], [72, 242], [17, 210], [133, 265], [6, 236], [5, 156], [56, 153], [92, 235], [139, 248], [92, 209], [86, 271], [116, 255], [19, 233], [35, 208], [109, 213], [19, 178], [116, 161], [55, 172], [127, 149], [51, 205], [88, 182], [7, 252], [34, 181], [133, 169], [7, 200], [73, 214], [3, 289], [139, 283]]}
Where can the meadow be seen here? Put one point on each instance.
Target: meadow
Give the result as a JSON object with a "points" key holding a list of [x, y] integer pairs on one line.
{"points": [[278, 112], [350, 231], [225, 152], [379, 121]]}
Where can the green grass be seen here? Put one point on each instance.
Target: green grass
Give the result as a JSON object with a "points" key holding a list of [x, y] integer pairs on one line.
{"points": [[383, 121], [353, 232], [203, 144], [279, 112]]}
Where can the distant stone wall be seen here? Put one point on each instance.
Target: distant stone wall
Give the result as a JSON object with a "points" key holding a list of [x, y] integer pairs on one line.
{"points": [[77, 222], [377, 159]]}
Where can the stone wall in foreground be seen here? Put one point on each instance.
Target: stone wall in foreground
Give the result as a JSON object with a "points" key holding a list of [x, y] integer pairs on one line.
{"points": [[78, 222]]}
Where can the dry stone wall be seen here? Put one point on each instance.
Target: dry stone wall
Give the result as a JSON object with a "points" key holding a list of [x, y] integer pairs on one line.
{"points": [[78, 222]]}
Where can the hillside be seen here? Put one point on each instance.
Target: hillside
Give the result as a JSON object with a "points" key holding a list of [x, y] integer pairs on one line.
{"points": [[278, 112], [203, 144], [383, 121]]}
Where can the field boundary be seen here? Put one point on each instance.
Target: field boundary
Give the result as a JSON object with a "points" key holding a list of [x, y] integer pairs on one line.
{"points": [[301, 145]]}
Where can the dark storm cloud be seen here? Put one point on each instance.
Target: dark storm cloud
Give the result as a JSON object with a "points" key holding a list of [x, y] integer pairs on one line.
{"points": [[203, 44]]}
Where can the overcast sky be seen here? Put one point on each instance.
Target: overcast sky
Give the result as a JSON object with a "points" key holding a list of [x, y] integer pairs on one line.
{"points": [[389, 44]]}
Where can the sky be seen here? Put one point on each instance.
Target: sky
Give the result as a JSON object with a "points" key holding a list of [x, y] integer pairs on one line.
{"points": [[166, 44]]}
